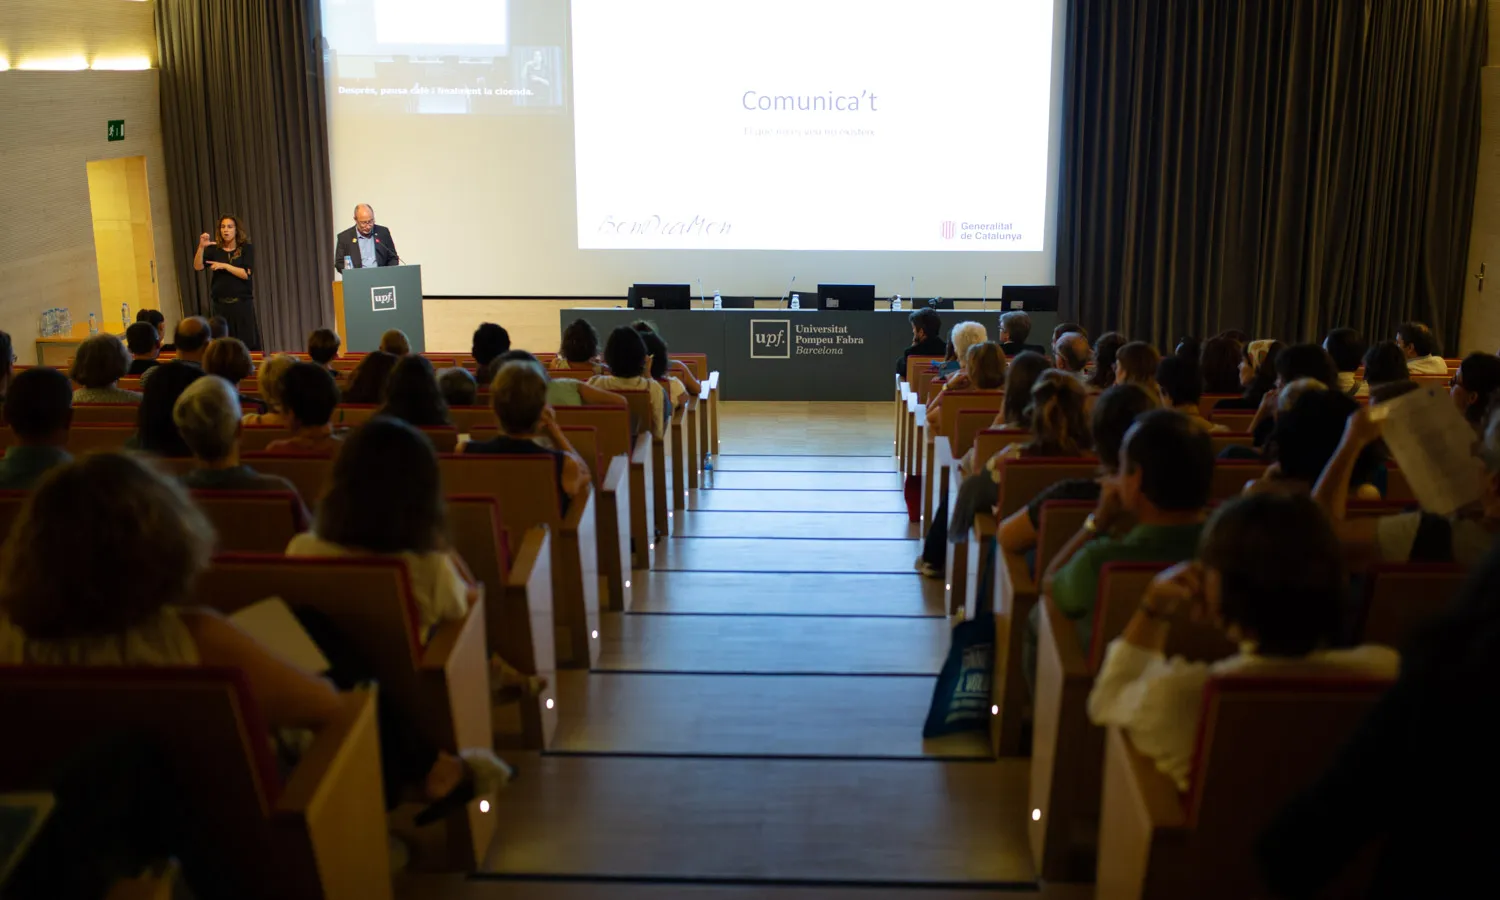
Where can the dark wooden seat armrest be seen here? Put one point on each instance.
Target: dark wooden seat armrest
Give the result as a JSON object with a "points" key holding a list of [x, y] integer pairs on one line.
{"points": [[642, 453], [448, 637], [1059, 630], [534, 547], [617, 475], [582, 505], [1017, 573], [942, 452]]}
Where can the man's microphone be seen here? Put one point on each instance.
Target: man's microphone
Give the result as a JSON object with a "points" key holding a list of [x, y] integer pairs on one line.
{"points": [[913, 292], [785, 298], [984, 294]]}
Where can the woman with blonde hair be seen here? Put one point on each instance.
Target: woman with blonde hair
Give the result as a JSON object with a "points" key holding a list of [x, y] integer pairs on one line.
{"points": [[271, 373], [982, 369]]}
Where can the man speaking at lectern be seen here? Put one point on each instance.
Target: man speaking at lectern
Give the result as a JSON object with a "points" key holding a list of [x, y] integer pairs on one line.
{"points": [[366, 244]]}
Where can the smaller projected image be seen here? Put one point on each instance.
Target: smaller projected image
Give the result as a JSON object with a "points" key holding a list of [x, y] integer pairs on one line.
{"points": [[442, 57]]}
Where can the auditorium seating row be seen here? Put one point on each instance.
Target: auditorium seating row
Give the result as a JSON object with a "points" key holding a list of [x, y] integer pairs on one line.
{"points": [[542, 578], [1098, 809]]}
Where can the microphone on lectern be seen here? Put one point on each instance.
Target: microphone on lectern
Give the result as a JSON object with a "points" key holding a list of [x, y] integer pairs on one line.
{"points": [[913, 292], [788, 293], [702, 299], [984, 294]]}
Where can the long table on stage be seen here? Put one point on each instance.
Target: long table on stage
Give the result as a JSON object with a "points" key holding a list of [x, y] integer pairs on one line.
{"points": [[788, 354]]}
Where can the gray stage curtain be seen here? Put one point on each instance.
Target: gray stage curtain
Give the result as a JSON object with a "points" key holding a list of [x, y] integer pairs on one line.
{"points": [[1283, 166], [242, 107]]}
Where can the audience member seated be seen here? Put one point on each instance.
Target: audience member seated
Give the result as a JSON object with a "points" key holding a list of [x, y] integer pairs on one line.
{"points": [[960, 338], [1136, 364], [144, 344], [323, 347], [565, 391], [309, 395], [272, 370], [664, 366], [458, 387], [39, 411], [1412, 777], [1385, 371], [949, 365], [625, 354], [208, 418], [1059, 428], [1106, 351], [1257, 376], [1180, 384], [1015, 328], [1347, 350], [1463, 537], [385, 498], [191, 343], [519, 399], [132, 519], [394, 342], [1269, 575], [1292, 364], [983, 369], [1071, 351], [926, 338], [1114, 412], [1420, 347], [1473, 386], [229, 359], [411, 395], [1308, 430], [1220, 365], [1165, 474], [490, 340], [580, 348], [156, 431], [368, 380], [159, 322], [98, 367], [1068, 328], [218, 327], [1015, 406]]}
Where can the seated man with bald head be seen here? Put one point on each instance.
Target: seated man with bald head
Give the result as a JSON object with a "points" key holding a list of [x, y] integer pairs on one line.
{"points": [[192, 339], [366, 245], [1072, 352]]}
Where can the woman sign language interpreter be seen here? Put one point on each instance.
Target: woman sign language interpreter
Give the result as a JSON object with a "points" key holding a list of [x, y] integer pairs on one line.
{"points": [[231, 261]]}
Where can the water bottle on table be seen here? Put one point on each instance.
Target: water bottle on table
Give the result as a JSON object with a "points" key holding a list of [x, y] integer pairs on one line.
{"points": [[348, 263], [718, 301], [896, 303], [93, 324], [796, 301]]}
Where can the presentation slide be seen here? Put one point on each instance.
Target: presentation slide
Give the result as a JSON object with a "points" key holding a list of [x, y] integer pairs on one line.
{"points": [[812, 124], [443, 57]]}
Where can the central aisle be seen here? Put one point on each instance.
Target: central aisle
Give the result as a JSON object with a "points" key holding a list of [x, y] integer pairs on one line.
{"points": [[755, 720]]}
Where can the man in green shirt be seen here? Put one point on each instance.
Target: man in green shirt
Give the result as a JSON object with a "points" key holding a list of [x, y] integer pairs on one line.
{"points": [[39, 410], [1151, 511]]}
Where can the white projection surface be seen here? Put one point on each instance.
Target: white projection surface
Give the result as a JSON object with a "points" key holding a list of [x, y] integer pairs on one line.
{"points": [[548, 148]]}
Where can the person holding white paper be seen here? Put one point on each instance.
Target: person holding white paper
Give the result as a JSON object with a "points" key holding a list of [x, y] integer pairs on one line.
{"points": [[1462, 536]]}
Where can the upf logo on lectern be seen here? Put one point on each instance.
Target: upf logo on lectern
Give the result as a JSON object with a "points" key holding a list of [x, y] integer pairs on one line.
{"points": [[383, 299], [770, 339]]}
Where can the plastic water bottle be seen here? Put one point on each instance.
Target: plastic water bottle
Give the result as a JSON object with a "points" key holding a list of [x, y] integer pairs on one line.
{"points": [[718, 301], [348, 262], [124, 315], [93, 324], [896, 303], [796, 301]]}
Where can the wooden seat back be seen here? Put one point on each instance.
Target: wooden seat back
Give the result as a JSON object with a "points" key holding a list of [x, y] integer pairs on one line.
{"points": [[1022, 479], [1400, 598], [1121, 587], [586, 442], [1237, 421], [697, 363], [641, 413], [969, 424], [253, 521], [1059, 521], [915, 364], [468, 418], [214, 741], [308, 472], [255, 438], [1230, 476], [991, 440], [89, 438], [957, 402], [1225, 439], [1207, 402], [352, 414], [923, 385], [1397, 490], [524, 486], [444, 440], [611, 426], [105, 413]]}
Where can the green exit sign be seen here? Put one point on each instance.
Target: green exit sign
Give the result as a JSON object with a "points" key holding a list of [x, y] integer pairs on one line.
{"points": [[117, 129]]}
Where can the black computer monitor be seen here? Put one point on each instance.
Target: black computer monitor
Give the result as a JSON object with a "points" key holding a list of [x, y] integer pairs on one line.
{"points": [[661, 296], [1032, 297], [845, 297]]}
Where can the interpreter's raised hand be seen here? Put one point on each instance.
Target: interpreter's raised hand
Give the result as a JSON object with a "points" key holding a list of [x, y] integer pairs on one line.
{"points": [[204, 241]]}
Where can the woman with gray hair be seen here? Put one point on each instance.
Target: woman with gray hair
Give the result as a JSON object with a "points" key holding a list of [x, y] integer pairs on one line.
{"points": [[207, 415], [101, 362], [271, 372]]}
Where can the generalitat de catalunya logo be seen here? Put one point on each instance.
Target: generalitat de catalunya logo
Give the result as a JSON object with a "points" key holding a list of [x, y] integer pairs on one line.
{"points": [[770, 339], [949, 230], [383, 299]]}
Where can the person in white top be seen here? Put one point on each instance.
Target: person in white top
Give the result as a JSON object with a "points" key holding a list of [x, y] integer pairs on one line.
{"points": [[1419, 344], [625, 353], [1270, 574]]}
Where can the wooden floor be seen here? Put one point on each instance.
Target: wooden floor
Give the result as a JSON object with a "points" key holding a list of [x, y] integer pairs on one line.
{"points": [[753, 728]]}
